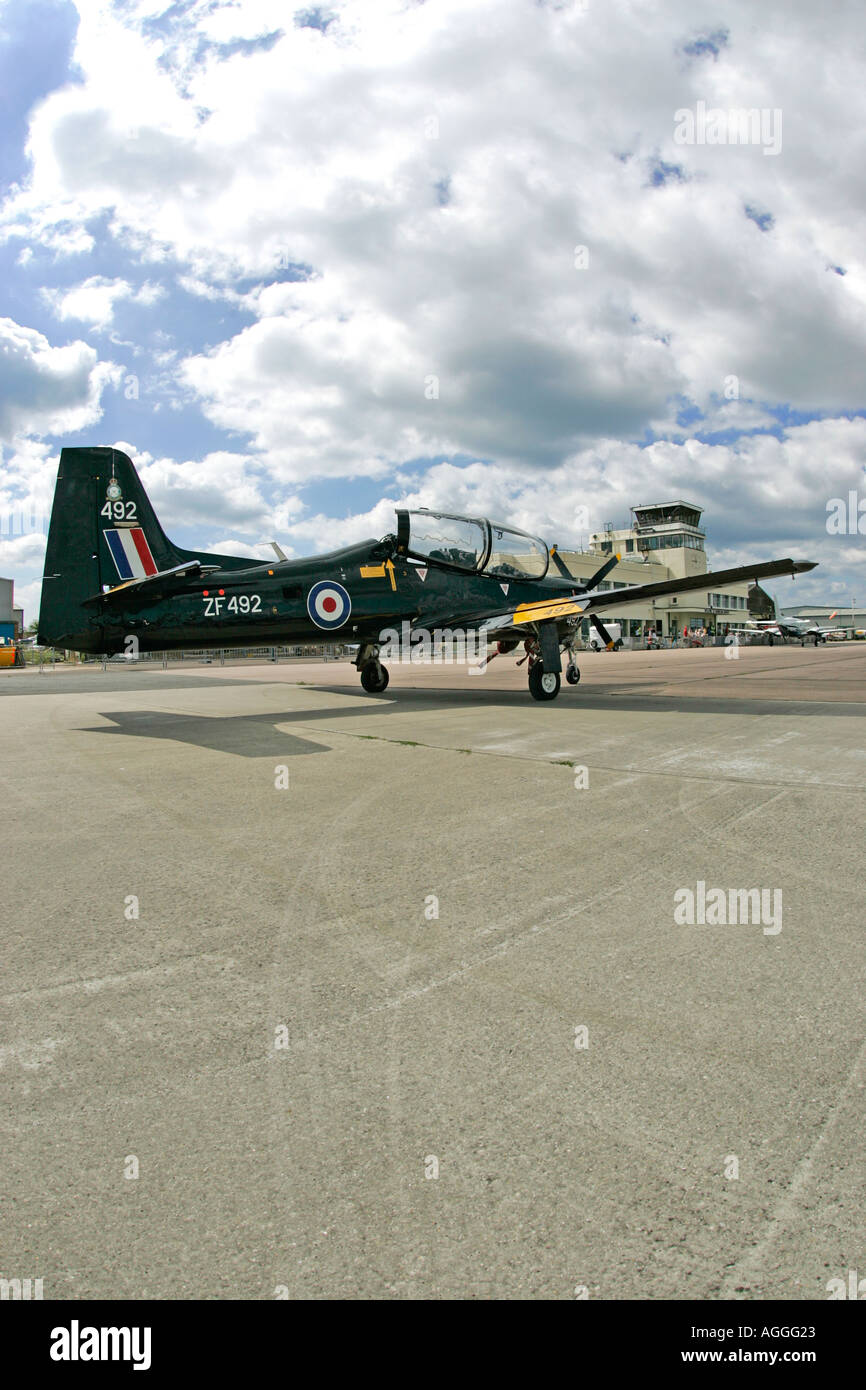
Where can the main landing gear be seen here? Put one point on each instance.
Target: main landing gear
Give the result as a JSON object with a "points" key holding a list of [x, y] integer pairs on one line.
{"points": [[543, 684], [374, 676]]}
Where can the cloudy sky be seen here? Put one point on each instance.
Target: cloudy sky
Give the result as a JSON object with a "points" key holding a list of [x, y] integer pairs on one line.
{"points": [[495, 256]]}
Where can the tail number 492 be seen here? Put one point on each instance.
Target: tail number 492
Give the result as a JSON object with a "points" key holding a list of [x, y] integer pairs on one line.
{"points": [[120, 511], [215, 604]]}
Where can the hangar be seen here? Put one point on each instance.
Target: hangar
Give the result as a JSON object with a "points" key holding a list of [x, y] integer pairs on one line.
{"points": [[846, 614]]}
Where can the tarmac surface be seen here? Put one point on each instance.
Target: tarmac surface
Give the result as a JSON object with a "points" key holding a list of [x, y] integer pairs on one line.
{"points": [[386, 996]]}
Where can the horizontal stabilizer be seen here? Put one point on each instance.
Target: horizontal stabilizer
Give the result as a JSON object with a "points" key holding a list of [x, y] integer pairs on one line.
{"points": [[132, 586]]}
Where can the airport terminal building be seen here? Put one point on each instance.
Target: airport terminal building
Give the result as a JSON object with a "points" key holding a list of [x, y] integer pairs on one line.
{"points": [[665, 541]]}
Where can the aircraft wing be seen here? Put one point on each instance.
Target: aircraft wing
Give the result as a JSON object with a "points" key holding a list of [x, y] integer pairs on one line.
{"points": [[525, 615], [636, 593]]}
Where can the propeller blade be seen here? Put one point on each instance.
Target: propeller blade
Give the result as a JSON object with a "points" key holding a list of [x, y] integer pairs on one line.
{"points": [[590, 583], [560, 563], [600, 574], [602, 631]]}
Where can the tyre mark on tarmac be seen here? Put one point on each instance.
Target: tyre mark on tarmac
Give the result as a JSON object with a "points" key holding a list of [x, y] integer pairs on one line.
{"points": [[634, 1135], [786, 1213], [401, 1123], [730, 821], [95, 984]]}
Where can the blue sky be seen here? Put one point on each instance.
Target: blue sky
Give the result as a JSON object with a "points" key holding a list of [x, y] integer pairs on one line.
{"points": [[309, 263]]}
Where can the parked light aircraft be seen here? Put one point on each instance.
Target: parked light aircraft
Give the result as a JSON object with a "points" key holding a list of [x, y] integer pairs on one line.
{"points": [[114, 582]]}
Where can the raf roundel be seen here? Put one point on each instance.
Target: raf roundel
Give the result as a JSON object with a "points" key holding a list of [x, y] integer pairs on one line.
{"points": [[328, 604]]}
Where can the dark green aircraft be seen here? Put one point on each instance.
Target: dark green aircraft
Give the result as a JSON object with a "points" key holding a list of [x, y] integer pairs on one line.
{"points": [[115, 583]]}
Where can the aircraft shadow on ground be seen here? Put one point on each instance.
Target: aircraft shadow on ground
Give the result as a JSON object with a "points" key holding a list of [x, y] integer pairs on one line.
{"points": [[256, 735], [571, 702], [245, 735]]}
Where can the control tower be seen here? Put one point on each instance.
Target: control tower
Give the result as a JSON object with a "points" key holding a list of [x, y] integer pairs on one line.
{"points": [[668, 532]]}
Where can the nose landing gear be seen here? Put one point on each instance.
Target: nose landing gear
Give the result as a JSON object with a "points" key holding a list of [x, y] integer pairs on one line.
{"points": [[572, 673]]}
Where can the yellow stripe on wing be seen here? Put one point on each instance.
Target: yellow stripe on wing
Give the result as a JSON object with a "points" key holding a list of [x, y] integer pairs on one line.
{"points": [[542, 611]]}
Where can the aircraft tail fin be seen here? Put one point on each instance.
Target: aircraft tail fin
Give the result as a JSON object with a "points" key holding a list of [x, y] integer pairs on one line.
{"points": [[103, 532]]}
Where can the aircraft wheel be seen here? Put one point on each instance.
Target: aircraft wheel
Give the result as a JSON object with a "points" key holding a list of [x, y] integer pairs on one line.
{"points": [[572, 674], [374, 677], [543, 685]]}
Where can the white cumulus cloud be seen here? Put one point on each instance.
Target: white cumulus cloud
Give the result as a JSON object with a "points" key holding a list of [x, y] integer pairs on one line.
{"points": [[45, 389]]}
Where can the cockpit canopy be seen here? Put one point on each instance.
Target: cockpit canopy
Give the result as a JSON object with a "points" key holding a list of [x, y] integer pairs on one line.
{"points": [[471, 543]]}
